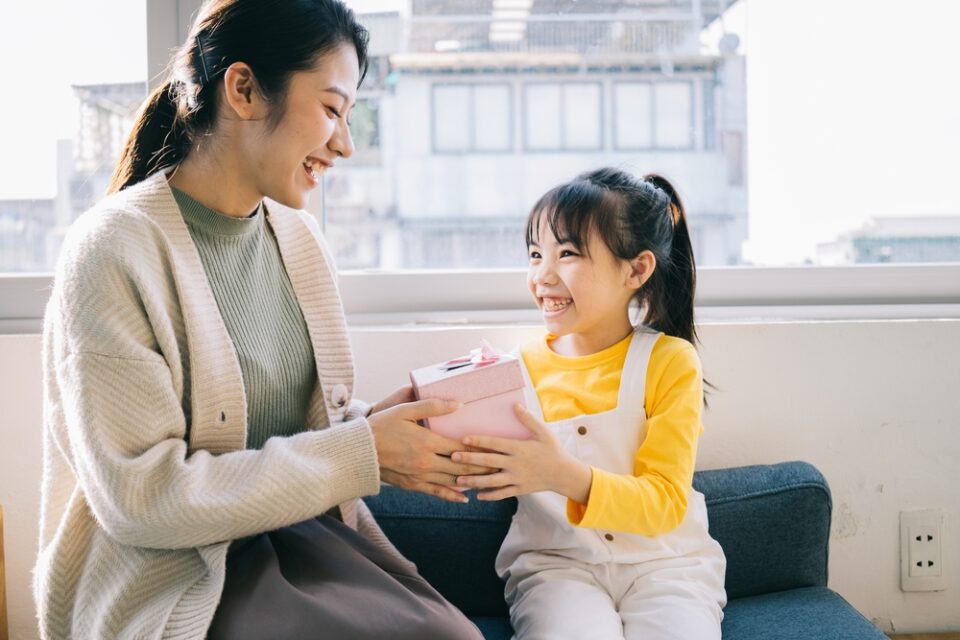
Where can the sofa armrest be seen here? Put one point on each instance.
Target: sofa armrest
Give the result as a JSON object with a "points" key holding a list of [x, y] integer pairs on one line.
{"points": [[773, 522]]}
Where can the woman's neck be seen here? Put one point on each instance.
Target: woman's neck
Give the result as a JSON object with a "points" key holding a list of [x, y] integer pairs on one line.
{"points": [[217, 181]]}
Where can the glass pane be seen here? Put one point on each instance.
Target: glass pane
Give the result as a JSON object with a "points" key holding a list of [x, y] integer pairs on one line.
{"points": [[582, 116], [632, 102], [674, 118], [543, 124], [491, 122], [74, 84], [451, 120]]}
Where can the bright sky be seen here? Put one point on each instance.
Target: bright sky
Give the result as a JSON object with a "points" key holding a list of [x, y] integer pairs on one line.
{"points": [[853, 105]]}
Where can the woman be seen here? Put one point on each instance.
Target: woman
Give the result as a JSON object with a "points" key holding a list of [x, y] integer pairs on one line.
{"points": [[203, 453]]}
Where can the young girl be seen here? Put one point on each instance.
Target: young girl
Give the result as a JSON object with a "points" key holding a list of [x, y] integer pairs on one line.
{"points": [[610, 539]]}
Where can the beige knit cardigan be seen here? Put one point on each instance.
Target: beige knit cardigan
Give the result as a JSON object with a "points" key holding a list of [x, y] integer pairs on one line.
{"points": [[145, 476]]}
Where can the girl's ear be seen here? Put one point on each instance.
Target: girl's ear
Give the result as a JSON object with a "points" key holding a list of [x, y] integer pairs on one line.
{"points": [[641, 268], [241, 94]]}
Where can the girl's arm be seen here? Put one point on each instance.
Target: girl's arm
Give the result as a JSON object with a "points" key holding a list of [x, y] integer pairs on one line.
{"points": [[653, 500]]}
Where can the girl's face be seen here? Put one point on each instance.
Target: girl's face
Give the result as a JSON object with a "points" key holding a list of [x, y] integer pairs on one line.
{"points": [[313, 133], [584, 296]]}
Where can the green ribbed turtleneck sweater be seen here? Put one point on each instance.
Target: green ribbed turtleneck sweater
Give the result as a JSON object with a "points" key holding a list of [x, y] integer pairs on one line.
{"points": [[250, 284]]}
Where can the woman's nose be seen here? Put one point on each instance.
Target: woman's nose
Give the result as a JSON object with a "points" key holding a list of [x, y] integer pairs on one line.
{"points": [[341, 141]]}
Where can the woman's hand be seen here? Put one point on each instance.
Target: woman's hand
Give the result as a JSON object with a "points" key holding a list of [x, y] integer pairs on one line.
{"points": [[398, 396], [416, 458], [525, 466]]}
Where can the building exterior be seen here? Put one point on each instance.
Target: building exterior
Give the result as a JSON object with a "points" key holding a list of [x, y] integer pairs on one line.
{"points": [[470, 111], [887, 239], [478, 112]]}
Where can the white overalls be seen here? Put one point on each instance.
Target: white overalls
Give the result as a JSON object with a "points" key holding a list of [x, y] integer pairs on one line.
{"points": [[569, 582]]}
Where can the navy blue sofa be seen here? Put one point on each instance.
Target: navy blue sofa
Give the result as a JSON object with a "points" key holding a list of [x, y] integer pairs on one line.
{"points": [[773, 523]]}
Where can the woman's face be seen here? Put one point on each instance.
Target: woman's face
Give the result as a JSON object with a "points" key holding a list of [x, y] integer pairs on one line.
{"points": [[313, 132]]}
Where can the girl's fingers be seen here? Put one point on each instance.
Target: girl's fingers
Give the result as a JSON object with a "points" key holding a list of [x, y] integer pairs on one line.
{"points": [[503, 445], [528, 420], [488, 460], [495, 480], [497, 494]]}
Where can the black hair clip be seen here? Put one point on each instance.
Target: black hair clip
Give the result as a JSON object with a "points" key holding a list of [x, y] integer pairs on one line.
{"points": [[203, 59]]}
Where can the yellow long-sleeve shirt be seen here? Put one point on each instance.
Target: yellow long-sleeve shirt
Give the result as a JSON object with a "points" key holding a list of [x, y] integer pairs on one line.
{"points": [[653, 500]]}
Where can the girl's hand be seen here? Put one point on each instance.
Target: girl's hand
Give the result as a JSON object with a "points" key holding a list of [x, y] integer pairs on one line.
{"points": [[414, 457], [525, 466]]}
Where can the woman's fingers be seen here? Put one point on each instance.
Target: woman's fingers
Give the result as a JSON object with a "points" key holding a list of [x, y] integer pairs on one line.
{"points": [[426, 408]]}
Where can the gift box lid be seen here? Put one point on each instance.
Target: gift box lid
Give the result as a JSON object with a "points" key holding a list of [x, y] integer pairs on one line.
{"points": [[467, 381]]}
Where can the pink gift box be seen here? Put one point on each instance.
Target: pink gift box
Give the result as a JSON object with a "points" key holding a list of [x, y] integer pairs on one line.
{"points": [[488, 384]]}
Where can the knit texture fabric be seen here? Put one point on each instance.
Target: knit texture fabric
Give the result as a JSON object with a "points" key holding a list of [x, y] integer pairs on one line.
{"points": [[146, 477], [259, 308]]}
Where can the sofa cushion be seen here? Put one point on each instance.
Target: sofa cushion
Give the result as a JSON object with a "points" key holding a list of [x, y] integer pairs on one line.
{"points": [[773, 522], [453, 545], [814, 613]]}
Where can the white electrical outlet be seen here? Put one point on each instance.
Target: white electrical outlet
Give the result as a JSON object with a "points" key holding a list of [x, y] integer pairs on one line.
{"points": [[921, 550]]}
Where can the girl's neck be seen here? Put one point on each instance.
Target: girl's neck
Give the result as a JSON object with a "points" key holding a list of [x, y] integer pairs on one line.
{"points": [[586, 343], [217, 181]]}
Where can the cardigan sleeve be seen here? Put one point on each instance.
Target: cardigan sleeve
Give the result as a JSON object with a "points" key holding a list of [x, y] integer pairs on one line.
{"points": [[115, 409]]}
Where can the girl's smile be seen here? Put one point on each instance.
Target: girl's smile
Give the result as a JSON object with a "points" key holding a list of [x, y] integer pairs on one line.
{"points": [[584, 295]]}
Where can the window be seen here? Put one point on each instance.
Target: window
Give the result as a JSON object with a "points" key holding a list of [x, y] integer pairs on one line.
{"points": [[562, 117], [471, 118], [75, 82], [467, 117]]}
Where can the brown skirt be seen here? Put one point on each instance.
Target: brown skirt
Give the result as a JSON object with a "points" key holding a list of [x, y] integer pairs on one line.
{"points": [[321, 579]]}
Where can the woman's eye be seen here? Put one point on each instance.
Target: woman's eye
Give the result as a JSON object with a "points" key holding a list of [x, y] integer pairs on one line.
{"points": [[336, 114]]}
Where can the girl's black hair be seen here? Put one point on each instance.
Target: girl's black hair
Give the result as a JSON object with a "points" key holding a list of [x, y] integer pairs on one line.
{"points": [[276, 38], [630, 215]]}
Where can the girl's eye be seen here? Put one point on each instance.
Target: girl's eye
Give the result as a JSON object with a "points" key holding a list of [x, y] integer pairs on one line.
{"points": [[567, 252], [534, 255]]}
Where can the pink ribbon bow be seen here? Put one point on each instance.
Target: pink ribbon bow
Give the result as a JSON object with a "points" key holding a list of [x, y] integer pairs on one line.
{"points": [[481, 356]]}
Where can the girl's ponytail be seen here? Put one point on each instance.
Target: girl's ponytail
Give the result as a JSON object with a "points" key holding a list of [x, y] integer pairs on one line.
{"points": [[672, 287], [158, 140]]}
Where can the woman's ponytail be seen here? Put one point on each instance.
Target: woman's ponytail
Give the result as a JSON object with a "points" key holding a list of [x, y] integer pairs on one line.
{"points": [[672, 287], [183, 109], [158, 140]]}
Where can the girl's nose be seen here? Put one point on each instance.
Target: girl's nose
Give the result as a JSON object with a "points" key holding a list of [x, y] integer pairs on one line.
{"points": [[544, 273]]}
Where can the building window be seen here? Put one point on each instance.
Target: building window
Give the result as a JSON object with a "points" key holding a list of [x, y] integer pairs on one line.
{"points": [[563, 116], [472, 118], [653, 115]]}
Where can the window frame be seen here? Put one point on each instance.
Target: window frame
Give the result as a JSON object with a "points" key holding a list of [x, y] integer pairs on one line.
{"points": [[725, 294]]}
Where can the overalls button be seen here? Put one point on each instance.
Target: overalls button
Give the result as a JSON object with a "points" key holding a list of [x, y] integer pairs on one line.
{"points": [[608, 536], [339, 395], [582, 430]]}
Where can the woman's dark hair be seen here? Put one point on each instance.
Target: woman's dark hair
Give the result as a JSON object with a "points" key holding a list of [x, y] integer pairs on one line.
{"points": [[276, 38], [630, 215]]}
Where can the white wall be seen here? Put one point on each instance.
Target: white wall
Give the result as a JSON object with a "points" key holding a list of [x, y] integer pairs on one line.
{"points": [[874, 405]]}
